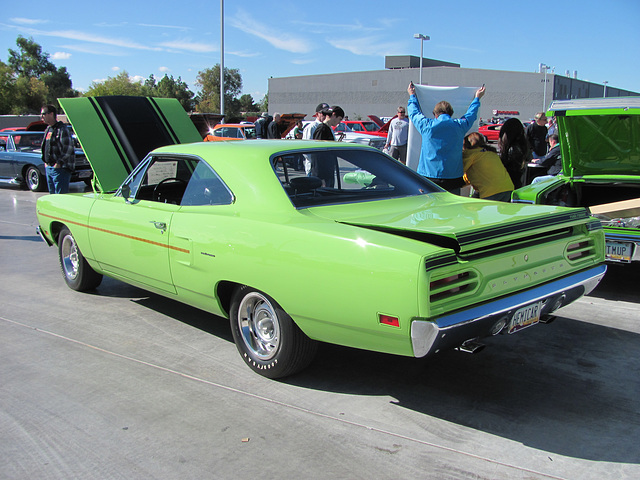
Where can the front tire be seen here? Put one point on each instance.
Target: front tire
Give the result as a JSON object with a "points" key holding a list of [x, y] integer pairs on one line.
{"points": [[36, 182], [76, 270], [266, 337]]}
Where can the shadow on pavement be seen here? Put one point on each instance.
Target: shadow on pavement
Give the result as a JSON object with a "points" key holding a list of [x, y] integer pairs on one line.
{"points": [[619, 283], [541, 388]]}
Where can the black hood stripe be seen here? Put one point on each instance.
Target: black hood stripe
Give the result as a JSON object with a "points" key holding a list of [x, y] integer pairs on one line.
{"points": [[117, 147]]}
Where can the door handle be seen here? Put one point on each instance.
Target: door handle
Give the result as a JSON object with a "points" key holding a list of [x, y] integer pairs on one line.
{"points": [[162, 226]]}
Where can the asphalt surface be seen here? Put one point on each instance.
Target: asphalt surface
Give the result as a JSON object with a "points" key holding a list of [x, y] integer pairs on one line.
{"points": [[120, 383]]}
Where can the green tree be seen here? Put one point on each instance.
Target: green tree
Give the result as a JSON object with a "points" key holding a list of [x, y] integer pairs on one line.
{"points": [[209, 97], [247, 104], [31, 95], [7, 89], [169, 87], [121, 84], [263, 106], [29, 62]]}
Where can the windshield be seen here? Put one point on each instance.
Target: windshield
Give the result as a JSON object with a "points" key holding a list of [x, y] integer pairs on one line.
{"points": [[326, 177]]}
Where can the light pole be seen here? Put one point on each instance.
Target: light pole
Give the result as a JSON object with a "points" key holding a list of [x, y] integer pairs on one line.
{"points": [[422, 38], [544, 101], [222, 60], [605, 89]]}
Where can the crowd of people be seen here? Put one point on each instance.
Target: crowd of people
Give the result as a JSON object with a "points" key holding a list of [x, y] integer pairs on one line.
{"points": [[449, 156]]}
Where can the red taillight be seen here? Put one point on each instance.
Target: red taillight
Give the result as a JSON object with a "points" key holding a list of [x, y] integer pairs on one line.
{"points": [[389, 320]]}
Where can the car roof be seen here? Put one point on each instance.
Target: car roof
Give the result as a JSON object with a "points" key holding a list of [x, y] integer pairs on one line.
{"points": [[233, 159]]}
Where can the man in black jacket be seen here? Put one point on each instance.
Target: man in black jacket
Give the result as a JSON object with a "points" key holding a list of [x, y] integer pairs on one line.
{"points": [[273, 130], [536, 134], [552, 160], [58, 151]]}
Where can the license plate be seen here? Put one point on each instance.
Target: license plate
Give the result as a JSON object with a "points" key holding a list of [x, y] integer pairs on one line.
{"points": [[619, 252], [525, 317], [84, 173]]}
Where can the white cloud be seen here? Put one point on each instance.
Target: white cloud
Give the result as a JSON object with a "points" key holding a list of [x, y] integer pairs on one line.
{"points": [[95, 49], [28, 21], [165, 26], [272, 35], [61, 56], [115, 69], [320, 27], [164, 69], [190, 46], [243, 54], [367, 46], [302, 61], [136, 78]]}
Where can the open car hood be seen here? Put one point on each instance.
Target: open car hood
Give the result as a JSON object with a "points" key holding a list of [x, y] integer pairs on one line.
{"points": [[453, 222], [599, 136], [117, 132]]}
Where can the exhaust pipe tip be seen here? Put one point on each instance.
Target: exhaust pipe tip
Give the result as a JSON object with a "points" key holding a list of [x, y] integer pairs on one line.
{"points": [[471, 346]]}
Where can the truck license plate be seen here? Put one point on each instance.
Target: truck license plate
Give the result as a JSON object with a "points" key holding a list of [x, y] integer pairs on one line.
{"points": [[525, 317]]}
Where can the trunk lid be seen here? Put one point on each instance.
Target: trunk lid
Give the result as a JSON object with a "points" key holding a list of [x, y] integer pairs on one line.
{"points": [[464, 225], [599, 136]]}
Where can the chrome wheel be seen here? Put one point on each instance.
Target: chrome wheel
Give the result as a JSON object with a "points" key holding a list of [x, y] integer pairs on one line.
{"points": [[34, 179], [69, 257], [259, 325], [76, 270]]}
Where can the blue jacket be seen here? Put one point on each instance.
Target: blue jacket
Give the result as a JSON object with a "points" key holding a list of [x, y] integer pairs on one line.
{"points": [[441, 153]]}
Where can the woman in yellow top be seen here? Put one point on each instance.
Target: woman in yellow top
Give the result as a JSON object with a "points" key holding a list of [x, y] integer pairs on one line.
{"points": [[484, 170]]}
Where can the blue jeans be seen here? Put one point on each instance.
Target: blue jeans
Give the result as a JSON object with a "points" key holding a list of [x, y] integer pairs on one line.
{"points": [[58, 179]]}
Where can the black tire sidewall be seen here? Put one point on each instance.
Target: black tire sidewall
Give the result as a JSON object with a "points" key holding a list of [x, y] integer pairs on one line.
{"points": [[280, 364], [87, 278]]}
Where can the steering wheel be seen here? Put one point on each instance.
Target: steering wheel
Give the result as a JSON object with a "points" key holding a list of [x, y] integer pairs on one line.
{"points": [[157, 193]]}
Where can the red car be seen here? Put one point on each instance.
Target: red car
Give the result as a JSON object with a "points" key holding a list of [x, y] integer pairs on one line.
{"points": [[373, 127], [491, 131]]}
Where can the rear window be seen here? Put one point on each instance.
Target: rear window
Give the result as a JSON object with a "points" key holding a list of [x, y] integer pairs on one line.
{"points": [[332, 176]]}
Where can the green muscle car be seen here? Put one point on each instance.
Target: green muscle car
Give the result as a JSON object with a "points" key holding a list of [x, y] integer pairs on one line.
{"points": [[600, 145], [356, 249]]}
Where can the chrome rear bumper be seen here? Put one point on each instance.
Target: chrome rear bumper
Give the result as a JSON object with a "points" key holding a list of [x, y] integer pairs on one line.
{"points": [[482, 321]]}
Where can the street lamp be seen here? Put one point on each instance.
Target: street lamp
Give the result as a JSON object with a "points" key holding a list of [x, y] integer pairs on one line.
{"points": [[422, 38], [544, 101], [605, 89]]}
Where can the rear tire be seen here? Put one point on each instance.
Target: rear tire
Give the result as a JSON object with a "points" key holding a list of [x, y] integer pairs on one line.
{"points": [[75, 269], [267, 338], [36, 182]]}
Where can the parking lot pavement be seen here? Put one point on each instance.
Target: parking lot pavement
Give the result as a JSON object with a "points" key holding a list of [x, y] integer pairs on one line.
{"points": [[120, 383]]}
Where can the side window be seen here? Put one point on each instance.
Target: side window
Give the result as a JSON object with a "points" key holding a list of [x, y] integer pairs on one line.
{"points": [[3, 143], [161, 179], [206, 188]]}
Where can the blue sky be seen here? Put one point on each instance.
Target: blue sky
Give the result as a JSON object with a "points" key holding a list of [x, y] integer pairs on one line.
{"points": [[279, 39]]}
